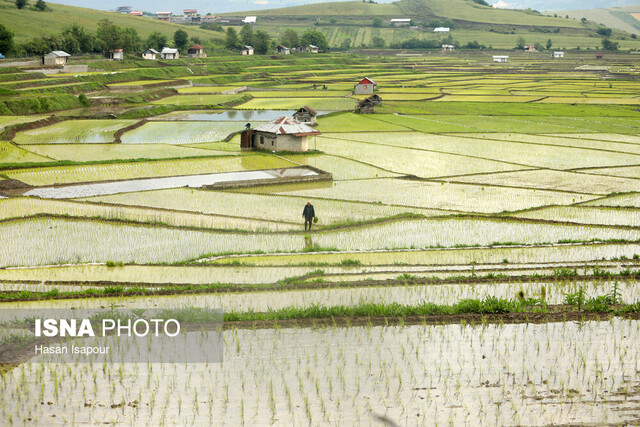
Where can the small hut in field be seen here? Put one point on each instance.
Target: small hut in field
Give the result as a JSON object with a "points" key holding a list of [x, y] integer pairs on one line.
{"points": [[306, 115], [282, 134]]}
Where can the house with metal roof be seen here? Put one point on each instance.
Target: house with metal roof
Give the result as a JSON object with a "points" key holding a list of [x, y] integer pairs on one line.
{"points": [[247, 50], [169, 53], [150, 54], [56, 57], [282, 134], [365, 87], [116, 54], [399, 22]]}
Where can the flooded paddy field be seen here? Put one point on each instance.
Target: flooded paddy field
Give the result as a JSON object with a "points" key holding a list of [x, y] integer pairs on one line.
{"points": [[551, 373], [474, 258]]}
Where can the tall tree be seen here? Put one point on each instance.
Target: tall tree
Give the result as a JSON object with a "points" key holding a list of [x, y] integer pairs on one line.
{"points": [[41, 5], [75, 39], [109, 35], [181, 39], [290, 38], [609, 45], [6, 40], [232, 41], [315, 38], [261, 42], [156, 41], [20, 4], [246, 34], [520, 42], [549, 44]]}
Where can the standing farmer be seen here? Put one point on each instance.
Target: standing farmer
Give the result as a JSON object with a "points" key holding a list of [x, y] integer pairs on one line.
{"points": [[308, 213]]}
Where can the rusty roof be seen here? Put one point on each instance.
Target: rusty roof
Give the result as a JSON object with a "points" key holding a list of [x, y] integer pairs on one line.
{"points": [[287, 126]]}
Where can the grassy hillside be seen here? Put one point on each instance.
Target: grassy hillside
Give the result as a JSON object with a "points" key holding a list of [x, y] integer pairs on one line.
{"points": [[351, 8], [622, 18], [352, 23], [27, 23]]}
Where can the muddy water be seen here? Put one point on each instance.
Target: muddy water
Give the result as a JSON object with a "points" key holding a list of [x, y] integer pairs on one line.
{"points": [[532, 374], [134, 185]]}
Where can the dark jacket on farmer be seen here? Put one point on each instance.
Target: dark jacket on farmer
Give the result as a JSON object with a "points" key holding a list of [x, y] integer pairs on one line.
{"points": [[308, 211]]}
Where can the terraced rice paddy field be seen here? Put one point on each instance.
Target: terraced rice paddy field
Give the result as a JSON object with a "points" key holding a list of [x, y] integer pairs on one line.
{"points": [[476, 257]]}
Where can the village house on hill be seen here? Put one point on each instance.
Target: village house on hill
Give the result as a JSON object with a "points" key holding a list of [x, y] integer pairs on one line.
{"points": [[56, 57], [116, 54], [247, 50], [150, 54], [283, 50], [196, 51], [365, 87], [169, 53], [282, 134], [306, 115]]}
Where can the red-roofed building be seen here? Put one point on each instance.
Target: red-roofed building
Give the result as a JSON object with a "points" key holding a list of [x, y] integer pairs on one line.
{"points": [[196, 51], [116, 54], [190, 12], [365, 87], [282, 134], [136, 13]]}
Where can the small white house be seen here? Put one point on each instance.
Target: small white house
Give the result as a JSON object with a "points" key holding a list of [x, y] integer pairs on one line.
{"points": [[313, 48], [401, 22], [365, 87], [500, 58], [247, 50], [163, 16], [283, 50], [150, 54], [56, 57], [558, 54], [250, 20], [441, 30], [169, 53], [116, 54], [448, 48]]}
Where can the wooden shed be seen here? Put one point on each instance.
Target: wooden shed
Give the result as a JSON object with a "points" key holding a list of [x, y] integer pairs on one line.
{"points": [[306, 115], [366, 106], [196, 51]]}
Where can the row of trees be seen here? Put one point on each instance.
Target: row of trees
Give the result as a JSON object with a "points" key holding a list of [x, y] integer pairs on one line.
{"points": [[40, 5], [262, 42], [76, 39]]}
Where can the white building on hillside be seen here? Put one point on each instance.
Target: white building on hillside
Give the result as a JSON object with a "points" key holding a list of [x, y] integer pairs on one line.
{"points": [[169, 53]]}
